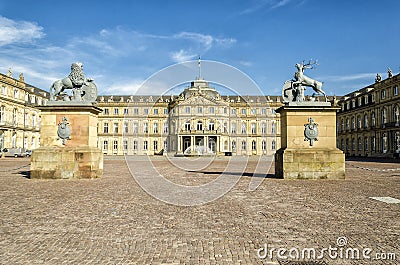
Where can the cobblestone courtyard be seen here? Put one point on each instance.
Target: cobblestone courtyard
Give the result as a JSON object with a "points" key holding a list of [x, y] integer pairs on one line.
{"points": [[112, 220]]}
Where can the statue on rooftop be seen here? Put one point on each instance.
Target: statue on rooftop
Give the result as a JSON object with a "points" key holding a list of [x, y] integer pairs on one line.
{"points": [[293, 90], [83, 90]]}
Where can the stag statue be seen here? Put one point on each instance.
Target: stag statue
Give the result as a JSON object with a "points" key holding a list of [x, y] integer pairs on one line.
{"points": [[293, 90]]}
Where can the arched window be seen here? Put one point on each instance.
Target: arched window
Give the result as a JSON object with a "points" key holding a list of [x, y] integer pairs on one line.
{"points": [[187, 126], [199, 126], [365, 121], [273, 145], [264, 145], [243, 128], [253, 145], [383, 114], [396, 114]]}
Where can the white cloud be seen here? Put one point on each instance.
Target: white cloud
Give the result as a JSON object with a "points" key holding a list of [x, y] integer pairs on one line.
{"points": [[264, 4], [182, 56], [12, 32]]}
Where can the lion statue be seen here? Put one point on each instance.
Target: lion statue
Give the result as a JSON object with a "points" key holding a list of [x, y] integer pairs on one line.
{"points": [[77, 82]]}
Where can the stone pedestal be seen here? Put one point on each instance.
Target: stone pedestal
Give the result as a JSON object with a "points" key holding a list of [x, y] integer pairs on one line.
{"points": [[301, 157], [79, 157]]}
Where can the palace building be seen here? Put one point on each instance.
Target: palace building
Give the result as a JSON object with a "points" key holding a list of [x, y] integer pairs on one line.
{"points": [[199, 121], [368, 121], [19, 115]]}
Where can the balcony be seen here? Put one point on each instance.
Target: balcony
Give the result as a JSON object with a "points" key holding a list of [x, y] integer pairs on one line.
{"points": [[207, 132]]}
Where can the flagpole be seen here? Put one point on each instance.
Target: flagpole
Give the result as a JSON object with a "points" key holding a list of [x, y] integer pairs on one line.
{"points": [[199, 65]]}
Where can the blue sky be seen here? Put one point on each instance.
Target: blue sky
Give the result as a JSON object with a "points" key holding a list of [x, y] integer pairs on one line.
{"points": [[123, 43]]}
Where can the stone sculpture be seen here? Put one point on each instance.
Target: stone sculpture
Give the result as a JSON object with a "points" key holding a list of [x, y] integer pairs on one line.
{"points": [[293, 90], [83, 90]]}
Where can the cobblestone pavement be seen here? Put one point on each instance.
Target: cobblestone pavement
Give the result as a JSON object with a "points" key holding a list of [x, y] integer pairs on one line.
{"points": [[113, 221]]}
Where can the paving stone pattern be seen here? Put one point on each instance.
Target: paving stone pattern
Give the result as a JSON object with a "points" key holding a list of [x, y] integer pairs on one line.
{"points": [[113, 221]]}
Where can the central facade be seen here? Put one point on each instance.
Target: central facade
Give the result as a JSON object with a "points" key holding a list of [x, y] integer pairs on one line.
{"points": [[199, 121]]}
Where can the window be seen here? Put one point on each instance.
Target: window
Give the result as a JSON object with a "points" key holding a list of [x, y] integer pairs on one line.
{"points": [[365, 121], [155, 127], [234, 146], [253, 111], [225, 127], [165, 129], [125, 145], [253, 145], [115, 128], [360, 101], [3, 90], [105, 128], [33, 120], [187, 126], [395, 91], [233, 111], [373, 119], [15, 93], [145, 111], [243, 145], [353, 103], [264, 111], [253, 128], [273, 145], [115, 111], [126, 111], [105, 145], [359, 144], [273, 128], [135, 127], [211, 126], [384, 116], [243, 128], [166, 111], [165, 145], [383, 94], [135, 111], [233, 128], [264, 145], [145, 127], [353, 123], [155, 111], [366, 143], [135, 145], [187, 110], [125, 127], [199, 109], [106, 112], [396, 114], [384, 143], [263, 128], [366, 99], [353, 144], [212, 110], [373, 97], [373, 143], [225, 110], [243, 111], [15, 117], [145, 145], [155, 145], [342, 124], [199, 126], [359, 124], [347, 123], [115, 145]]}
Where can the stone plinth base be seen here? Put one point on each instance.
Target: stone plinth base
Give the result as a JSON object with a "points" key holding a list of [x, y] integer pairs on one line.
{"points": [[66, 162], [310, 164]]}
